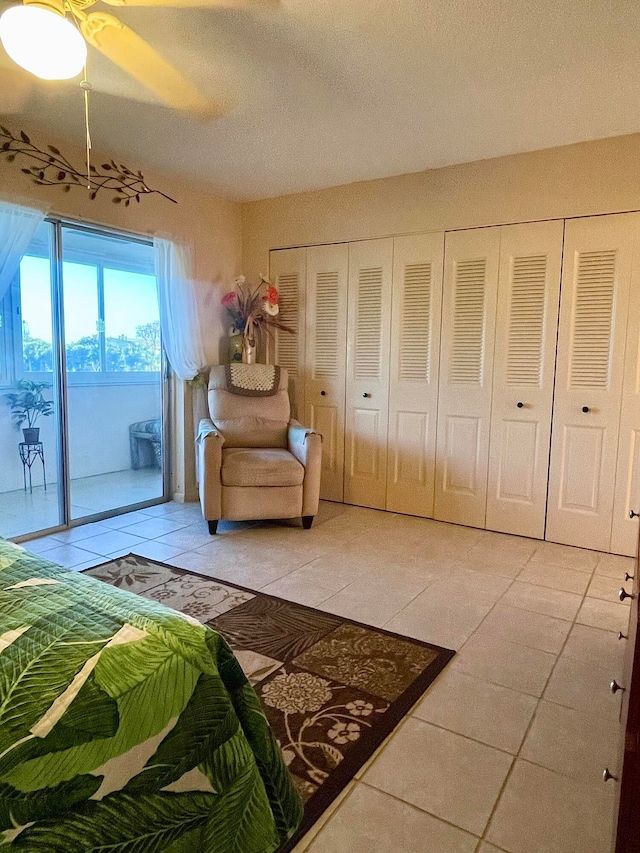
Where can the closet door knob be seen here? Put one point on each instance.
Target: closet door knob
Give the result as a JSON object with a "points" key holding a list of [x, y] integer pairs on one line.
{"points": [[366, 395], [614, 686], [624, 594], [606, 775], [520, 405], [621, 636], [628, 577], [633, 514], [323, 393], [585, 409]]}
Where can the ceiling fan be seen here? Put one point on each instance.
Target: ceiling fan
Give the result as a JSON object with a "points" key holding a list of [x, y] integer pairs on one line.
{"points": [[49, 38]]}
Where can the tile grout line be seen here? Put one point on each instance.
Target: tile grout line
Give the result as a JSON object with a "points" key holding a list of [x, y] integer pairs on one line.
{"points": [[539, 699], [354, 784], [481, 838], [419, 810], [535, 713]]}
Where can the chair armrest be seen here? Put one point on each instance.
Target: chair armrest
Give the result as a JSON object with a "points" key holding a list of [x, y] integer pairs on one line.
{"points": [[209, 443], [306, 445], [207, 429], [298, 441]]}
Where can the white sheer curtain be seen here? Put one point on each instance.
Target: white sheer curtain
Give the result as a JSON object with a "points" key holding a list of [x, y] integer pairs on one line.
{"points": [[181, 331], [18, 224]]}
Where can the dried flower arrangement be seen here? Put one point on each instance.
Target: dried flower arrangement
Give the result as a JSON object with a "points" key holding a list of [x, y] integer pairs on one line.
{"points": [[254, 308]]}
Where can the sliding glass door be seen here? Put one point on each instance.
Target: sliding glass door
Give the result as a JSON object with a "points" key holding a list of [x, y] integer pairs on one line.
{"points": [[81, 322], [113, 372], [30, 412]]}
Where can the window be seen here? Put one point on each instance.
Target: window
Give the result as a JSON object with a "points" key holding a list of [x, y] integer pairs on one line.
{"points": [[35, 328], [132, 337], [6, 347], [81, 318], [111, 320]]}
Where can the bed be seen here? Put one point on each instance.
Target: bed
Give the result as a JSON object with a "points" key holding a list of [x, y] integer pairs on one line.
{"points": [[126, 726]]}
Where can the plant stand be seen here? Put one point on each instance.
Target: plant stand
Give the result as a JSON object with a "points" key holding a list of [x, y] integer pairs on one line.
{"points": [[28, 455]]}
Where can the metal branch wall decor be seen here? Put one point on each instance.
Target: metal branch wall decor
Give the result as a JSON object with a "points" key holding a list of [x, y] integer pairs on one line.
{"points": [[50, 168]]}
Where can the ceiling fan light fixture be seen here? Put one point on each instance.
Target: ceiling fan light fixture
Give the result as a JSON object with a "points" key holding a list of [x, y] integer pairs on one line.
{"points": [[42, 41]]}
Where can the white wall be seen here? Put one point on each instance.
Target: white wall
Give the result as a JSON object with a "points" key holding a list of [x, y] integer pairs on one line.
{"points": [[575, 180], [211, 223], [99, 418]]}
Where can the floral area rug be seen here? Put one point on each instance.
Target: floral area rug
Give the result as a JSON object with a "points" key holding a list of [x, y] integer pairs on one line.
{"points": [[332, 689]]}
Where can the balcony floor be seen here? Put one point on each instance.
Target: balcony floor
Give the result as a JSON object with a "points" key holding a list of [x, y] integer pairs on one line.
{"points": [[22, 512]]}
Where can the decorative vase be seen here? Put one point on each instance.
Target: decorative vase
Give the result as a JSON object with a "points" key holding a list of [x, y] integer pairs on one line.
{"points": [[235, 347], [248, 351], [31, 435]]}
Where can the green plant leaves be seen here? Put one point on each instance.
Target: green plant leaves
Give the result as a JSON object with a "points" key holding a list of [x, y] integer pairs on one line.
{"points": [[187, 843], [207, 722], [122, 668], [241, 820], [286, 805], [144, 712], [28, 403], [39, 666], [108, 699], [92, 715], [17, 807], [121, 823]]}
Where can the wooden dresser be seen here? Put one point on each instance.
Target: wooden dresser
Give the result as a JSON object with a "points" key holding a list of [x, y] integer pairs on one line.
{"points": [[627, 778]]}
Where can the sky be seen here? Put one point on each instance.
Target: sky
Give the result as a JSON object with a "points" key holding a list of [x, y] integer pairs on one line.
{"points": [[130, 299]]}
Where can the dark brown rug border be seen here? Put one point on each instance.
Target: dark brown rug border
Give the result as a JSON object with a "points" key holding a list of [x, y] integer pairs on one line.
{"points": [[319, 802]]}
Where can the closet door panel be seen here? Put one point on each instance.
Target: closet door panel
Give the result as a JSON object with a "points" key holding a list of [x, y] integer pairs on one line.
{"points": [[624, 531], [413, 385], [460, 475], [325, 360], [591, 349], [367, 410], [524, 367], [288, 272], [466, 367]]}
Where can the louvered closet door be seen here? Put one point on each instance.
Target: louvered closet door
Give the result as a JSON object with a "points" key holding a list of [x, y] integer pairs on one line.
{"points": [[288, 270], [413, 385], [524, 366], [370, 273], [325, 361], [624, 531], [466, 367], [591, 348]]}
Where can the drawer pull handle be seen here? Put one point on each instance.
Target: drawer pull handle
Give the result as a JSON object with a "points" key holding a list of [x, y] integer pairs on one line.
{"points": [[606, 775], [633, 514], [614, 686], [622, 594], [323, 393], [628, 577], [585, 409], [621, 636], [366, 395], [520, 405]]}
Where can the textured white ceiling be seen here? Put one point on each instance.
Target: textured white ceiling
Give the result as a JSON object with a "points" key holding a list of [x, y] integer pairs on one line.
{"points": [[333, 91]]}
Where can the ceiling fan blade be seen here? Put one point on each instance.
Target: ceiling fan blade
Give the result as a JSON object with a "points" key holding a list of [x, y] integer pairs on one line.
{"points": [[132, 53], [15, 88], [224, 4]]}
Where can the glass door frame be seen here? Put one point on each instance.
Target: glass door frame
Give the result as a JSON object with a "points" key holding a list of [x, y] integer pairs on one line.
{"points": [[61, 388]]}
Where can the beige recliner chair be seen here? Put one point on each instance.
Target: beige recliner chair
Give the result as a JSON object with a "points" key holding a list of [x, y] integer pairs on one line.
{"points": [[253, 461]]}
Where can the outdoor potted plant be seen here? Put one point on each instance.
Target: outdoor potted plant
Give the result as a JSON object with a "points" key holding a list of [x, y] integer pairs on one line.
{"points": [[27, 404]]}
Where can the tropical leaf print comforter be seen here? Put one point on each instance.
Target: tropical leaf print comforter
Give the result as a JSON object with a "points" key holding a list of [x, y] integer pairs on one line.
{"points": [[127, 727]]}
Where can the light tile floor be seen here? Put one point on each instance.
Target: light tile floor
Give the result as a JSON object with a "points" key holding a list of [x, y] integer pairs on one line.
{"points": [[23, 512], [505, 751]]}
